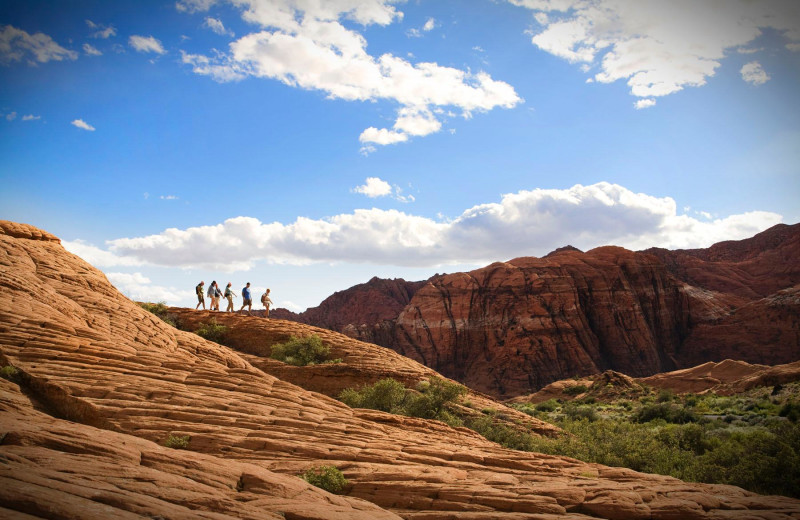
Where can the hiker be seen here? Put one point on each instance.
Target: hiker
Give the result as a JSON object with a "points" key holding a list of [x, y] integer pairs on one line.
{"points": [[217, 295], [229, 296], [267, 302], [247, 300], [200, 299], [212, 291]]}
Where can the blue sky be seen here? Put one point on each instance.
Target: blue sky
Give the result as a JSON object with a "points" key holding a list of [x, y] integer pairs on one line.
{"points": [[308, 146]]}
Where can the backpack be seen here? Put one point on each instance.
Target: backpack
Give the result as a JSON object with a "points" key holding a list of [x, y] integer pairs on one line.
{"points": [[264, 298]]}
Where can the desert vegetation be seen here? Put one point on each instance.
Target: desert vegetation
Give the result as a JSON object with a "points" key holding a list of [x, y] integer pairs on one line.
{"points": [[161, 310], [751, 440], [302, 351], [431, 399], [212, 331], [329, 478]]}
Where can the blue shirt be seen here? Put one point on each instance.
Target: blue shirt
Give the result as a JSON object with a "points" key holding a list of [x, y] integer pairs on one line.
{"points": [[246, 293]]}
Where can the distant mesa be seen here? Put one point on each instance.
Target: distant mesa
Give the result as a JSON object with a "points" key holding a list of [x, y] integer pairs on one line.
{"points": [[511, 328]]}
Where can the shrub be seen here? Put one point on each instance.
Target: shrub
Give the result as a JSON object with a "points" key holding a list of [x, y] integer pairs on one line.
{"points": [[9, 372], [212, 331], [436, 394], [575, 390], [576, 413], [329, 478], [665, 395], [178, 442], [160, 309], [791, 411], [551, 405], [301, 351], [387, 395], [667, 412], [502, 434]]}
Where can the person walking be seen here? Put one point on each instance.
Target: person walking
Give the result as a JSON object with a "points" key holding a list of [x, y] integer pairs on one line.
{"points": [[267, 302], [217, 295], [200, 300], [247, 300], [211, 292], [229, 296]]}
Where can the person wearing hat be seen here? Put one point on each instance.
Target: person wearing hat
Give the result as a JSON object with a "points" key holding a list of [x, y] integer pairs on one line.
{"points": [[229, 296], [200, 299]]}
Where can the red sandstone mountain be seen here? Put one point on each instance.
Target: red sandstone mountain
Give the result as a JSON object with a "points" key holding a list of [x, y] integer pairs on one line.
{"points": [[510, 328], [101, 384]]}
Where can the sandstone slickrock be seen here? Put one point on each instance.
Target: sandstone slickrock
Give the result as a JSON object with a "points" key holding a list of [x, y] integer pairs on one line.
{"points": [[510, 328], [102, 383]]}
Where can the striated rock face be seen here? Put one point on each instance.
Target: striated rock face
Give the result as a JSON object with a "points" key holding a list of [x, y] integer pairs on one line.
{"points": [[511, 328], [101, 384]]}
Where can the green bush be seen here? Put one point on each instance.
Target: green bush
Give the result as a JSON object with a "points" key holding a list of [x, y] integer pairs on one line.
{"points": [[668, 412], [551, 405], [665, 395], [329, 478], [9, 372], [502, 434], [791, 411], [301, 351], [577, 412], [435, 396], [387, 395], [161, 310], [212, 331], [575, 390], [178, 442]]}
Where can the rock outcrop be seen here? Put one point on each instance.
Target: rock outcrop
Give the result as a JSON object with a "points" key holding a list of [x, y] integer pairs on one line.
{"points": [[101, 384], [512, 327]]}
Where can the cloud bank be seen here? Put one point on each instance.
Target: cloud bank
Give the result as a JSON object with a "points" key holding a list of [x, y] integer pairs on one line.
{"points": [[524, 223], [658, 47], [305, 44]]}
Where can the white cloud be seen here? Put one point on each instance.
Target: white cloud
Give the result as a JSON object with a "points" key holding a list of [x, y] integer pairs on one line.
{"points": [[146, 44], [658, 47], [754, 74], [374, 187], [168, 197], [382, 136], [138, 287], [103, 32], [644, 103], [16, 45], [96, 256], [430, 24], [80, 123], [90, 50], [304, 44], [523, 223], [217, 26], [31, 117], [11, 116]]}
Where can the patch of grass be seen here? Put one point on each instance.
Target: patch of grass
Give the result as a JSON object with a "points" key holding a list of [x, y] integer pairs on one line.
{"points": [[161, 310], [302, 351], [178, 442], [10, 372], [329, 478], [212, 331], [575, 390]]}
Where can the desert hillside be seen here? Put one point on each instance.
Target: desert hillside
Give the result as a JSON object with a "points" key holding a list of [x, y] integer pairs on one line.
{"points": [[99, 386], [511, 328]]}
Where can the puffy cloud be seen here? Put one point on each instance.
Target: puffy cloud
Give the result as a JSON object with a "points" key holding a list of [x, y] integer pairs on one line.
{"points": [[658, 47], [754, 74], [96, 256], [644, 103], [16, 45], [90, 50], [217, 26], [430, 24], [138, 287], [103, 32], [146, 44], [524, 223], [80, 123], [304, 44], [374, 187]]}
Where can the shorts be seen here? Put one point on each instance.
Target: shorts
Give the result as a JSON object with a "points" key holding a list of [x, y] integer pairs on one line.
{"points": [[200, 298], [247, 302]]}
